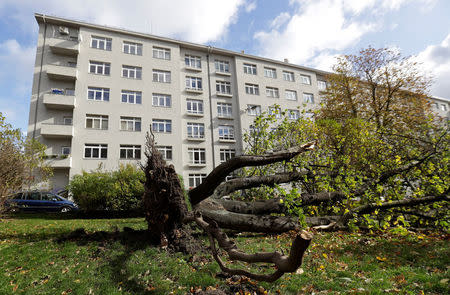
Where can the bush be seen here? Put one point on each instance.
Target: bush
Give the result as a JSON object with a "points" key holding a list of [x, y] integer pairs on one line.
{"points": [[116, 190]]}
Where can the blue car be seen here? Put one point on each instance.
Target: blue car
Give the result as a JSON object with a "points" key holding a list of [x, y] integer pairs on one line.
{"points": [[39, 201]]}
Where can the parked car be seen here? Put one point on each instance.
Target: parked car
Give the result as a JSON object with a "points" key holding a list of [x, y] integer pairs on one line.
{"points": [[39, 201]]}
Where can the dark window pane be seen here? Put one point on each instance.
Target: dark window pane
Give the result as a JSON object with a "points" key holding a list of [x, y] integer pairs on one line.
{"points": [[104, 153]]}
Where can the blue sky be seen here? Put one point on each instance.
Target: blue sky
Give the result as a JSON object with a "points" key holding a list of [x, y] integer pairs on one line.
{"points": [[307, 32]]}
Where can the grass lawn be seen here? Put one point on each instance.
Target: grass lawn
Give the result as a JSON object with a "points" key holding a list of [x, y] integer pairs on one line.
{"points": [[33, 261]]}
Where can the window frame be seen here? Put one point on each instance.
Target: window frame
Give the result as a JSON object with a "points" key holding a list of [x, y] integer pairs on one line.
{"points": [[105, 67], [270, 72], [223, 87], [251, 107], [165, 150], [102, 120], [230, 131], [226, 154], [138, 48], [250, 69], [134, 122], [195, 179], [305, 79], [131, 96], [161, 76], [197, 156], [98, 40], [294, 92], [166, 99], [104, 93], [272, 92], [137, 72], [251, 89], [195, 130], [228, 107], [157, 50], [99, 147], [191, 81], [193, 61], [222, 64], [305, 100], [192, 102], [136, 152], [287, 74], [164, 123]]}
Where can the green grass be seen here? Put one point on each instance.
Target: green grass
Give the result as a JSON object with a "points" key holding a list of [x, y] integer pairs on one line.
{"points": [[34, 262]]}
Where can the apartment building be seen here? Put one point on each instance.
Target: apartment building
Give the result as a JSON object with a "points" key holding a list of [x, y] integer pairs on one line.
{"points": [[97, 91]]}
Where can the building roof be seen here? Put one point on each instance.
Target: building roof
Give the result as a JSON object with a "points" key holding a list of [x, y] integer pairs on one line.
{"points": [[42, 18]]}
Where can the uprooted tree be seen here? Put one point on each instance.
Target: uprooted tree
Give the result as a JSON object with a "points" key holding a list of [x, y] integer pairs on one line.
{"points": [[374, 157]]}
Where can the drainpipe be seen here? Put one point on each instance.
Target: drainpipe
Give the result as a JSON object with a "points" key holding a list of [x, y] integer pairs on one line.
{"points": [[39, 81], [210, 108]]}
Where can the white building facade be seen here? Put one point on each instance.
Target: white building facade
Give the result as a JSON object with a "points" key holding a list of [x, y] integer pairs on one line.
{"points": [[98, 90]]}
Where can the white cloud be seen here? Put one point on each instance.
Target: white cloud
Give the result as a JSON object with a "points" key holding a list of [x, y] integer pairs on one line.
{"points": [[314, 27], [250, 6], [435, 60], [280, 20], [316, 30], [197, 21]]}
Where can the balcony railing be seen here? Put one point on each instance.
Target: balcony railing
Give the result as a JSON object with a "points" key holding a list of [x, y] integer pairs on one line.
{"points": [[59, 161], [63, 72], [60, 99], [56, 130], [64, 45]]}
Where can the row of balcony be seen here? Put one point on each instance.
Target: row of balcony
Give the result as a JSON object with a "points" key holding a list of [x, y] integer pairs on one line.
{"points": [[56, 130], [59, 162]]}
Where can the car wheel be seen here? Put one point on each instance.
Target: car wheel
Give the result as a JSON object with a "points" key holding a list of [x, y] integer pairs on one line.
{"points": [[65, 209]]}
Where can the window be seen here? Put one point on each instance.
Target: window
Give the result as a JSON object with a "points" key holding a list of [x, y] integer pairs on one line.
{"points": [[222, 66], [194, 83], [270, 73], [308, 98], [226, 132], [101, 43], [288, 76], [166, 152], [272, 92], [223, 87], [161, 100], [275, 111], [304, 79], [132, 48], [291, 95], [130, 151], [443, 107], [131, 72], [193, 61], [197, 156], [96, 122], [194, 106], [254, 110], [161, 76], [67, 120], [224, 109], [130, 124], [97, 67], [161, 53], [95, 93], [294, 114], [65, 150], [322, 85], [196, 130], [95, 151], [252, 89], [162, 126], [309, 115], [250, 69], [196, 179], [227, 154], [134, 97]]}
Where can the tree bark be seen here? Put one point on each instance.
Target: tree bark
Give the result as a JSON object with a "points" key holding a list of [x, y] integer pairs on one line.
{"points": [[207, 187]]}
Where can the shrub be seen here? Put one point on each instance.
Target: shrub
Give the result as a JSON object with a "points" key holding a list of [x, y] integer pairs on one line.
{"points": [[116, 190]]}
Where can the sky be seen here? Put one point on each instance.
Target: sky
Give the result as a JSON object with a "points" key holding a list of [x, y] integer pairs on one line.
{"points": [[306, 32]]}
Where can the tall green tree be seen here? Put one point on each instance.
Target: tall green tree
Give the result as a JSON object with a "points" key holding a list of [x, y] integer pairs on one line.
{"points": [[22, 160]]}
